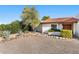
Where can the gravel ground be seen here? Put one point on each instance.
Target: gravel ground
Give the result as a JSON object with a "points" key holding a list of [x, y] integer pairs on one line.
{"points": [[39, 44]]}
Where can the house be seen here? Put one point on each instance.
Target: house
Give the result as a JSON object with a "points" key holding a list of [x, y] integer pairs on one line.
{"points": [[68, 23]]}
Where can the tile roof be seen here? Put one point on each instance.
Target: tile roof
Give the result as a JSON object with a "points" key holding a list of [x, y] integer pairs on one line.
{"points": [[60, 20]]}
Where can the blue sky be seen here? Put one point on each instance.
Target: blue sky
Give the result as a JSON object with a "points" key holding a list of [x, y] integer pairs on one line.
{"points": [[9, 13]]}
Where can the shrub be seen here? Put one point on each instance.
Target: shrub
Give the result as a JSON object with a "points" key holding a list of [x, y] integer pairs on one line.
{"points": [[54, 30], [66, 33], [50, 30], [57, 30], [1, 33]]}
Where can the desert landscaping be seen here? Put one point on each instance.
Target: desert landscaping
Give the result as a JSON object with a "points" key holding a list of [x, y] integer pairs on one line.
{"points": [[37, 43]]}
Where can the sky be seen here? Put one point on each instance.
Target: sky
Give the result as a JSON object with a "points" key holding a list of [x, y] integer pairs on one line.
{"points": [[9, 13]]}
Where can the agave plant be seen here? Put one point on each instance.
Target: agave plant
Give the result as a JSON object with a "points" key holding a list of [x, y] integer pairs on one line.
{"points": [[6, 34]]}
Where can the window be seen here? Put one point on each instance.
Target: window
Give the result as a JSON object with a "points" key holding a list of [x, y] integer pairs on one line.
{"points": [[53, 26]]}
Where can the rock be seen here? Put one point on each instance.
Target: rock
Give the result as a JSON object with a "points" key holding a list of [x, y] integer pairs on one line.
{"points": [[49, 33], [1, 38], [57, 37], [13, 36], [60, 38]]}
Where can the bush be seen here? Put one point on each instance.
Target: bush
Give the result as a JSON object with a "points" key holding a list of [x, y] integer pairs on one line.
{"points": [[50, 30], [1, 33], [54, 30], [66, 33], [57, 30]]}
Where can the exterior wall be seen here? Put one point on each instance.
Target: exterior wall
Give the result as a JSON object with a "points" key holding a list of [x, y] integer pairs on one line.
{"points": [[59, 26], [46, 27], [76, 29]]}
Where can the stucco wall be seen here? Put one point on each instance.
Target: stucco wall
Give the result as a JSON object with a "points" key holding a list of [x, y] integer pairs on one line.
{"points": [[76, 29], [46, 27], [59, 26]]}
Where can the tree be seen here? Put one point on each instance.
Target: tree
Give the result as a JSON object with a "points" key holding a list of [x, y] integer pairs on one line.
{"points": [[45, 17], [14, 27], [3, 27], [30, 18]]}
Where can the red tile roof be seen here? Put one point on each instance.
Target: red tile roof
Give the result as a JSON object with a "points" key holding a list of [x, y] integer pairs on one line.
{"points": [[60, 20]]}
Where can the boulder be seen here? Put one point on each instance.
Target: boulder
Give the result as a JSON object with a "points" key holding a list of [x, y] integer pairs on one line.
{"points": [[1, 38]]}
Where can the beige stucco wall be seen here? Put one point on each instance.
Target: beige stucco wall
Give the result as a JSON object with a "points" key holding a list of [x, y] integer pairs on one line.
{"points": [[76, 29], [46, 27], [59, 26]]}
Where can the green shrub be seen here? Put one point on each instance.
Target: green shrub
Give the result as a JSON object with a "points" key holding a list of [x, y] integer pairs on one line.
{"points": [[54, 30], [66, 33], [1, 33], [57, 30], [50, 30]]}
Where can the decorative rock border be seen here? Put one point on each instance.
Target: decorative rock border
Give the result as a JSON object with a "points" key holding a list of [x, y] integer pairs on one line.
{"points": [[16, 36], [46, 35]]}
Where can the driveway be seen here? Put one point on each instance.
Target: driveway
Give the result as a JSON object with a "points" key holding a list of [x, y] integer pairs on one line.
{"points": [[39, 44]]}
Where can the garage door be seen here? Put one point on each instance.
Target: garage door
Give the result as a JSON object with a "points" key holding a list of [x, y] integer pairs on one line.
{"points": [[67, 26]]}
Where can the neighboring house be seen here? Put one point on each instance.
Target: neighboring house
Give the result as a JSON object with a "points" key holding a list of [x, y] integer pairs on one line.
{"points": [[68, 23]]}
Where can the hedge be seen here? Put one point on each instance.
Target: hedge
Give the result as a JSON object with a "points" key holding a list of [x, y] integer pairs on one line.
{"points": [[66, 33]]}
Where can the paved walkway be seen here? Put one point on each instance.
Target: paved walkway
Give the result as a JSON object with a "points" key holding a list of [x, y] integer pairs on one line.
{"points": [[39, 44]]}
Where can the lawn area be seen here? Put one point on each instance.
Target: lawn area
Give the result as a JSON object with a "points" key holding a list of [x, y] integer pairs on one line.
{"points": [[33, 43]]}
